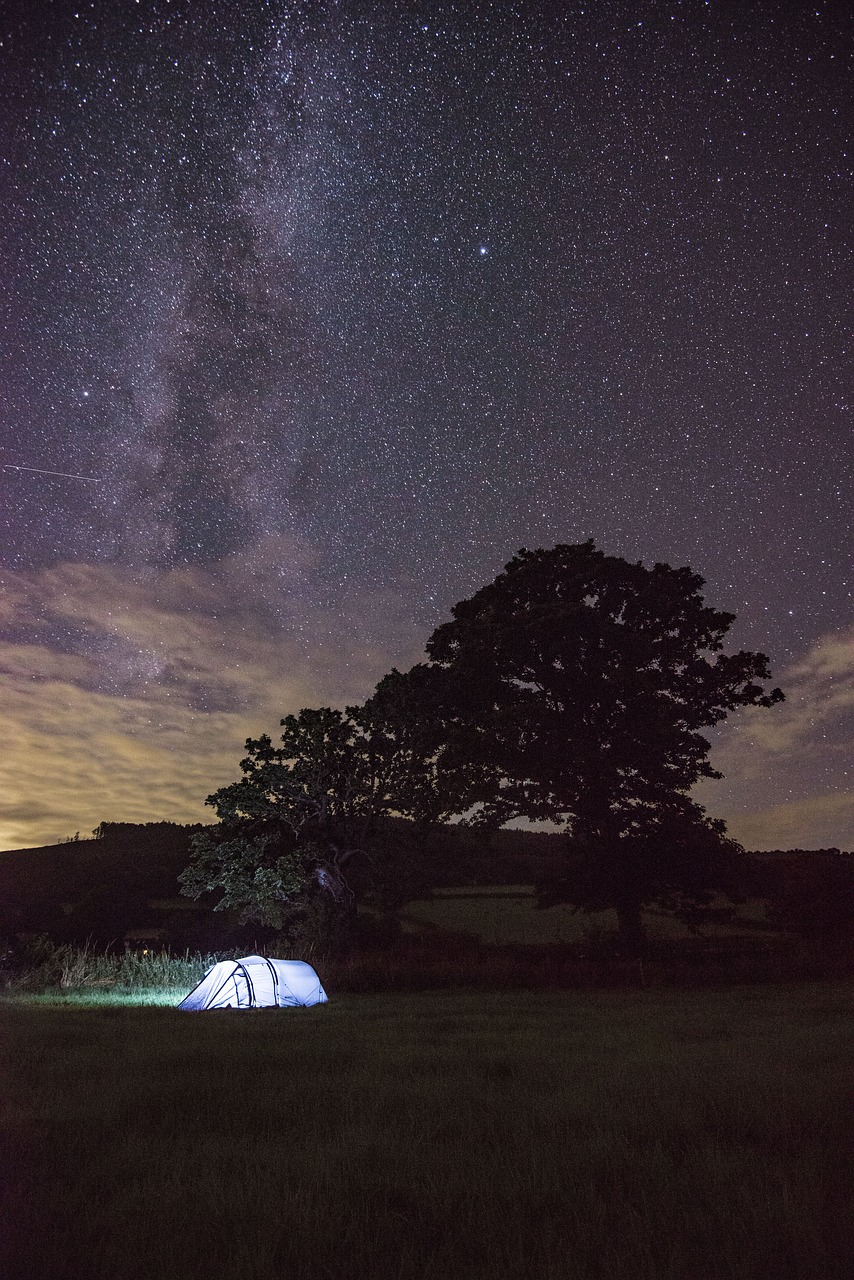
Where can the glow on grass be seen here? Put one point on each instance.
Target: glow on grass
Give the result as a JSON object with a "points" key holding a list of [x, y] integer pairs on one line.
{"points": [[88, 998]]}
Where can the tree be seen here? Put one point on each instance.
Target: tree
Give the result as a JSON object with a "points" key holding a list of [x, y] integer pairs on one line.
{"points": [[581, 682], [303, 834], [291, 825], [430, 776], [811, 893]]}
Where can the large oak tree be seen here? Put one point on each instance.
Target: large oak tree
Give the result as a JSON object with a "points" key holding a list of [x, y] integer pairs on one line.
{"points": [[581, 682]]}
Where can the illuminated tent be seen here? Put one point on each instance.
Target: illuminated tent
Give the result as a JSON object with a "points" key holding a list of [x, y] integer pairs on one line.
{"points": [[254, 982]]}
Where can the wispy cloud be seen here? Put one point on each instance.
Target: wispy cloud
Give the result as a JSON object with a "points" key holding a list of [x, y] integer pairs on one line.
{"points": [[129, 697], [788, 775], [818, 822]]}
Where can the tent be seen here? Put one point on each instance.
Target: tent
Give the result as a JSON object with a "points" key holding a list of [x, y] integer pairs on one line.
{"points": [[254, 982]]}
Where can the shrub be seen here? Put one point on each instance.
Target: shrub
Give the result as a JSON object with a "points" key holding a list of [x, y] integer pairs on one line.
{"points": [[36, 964]]}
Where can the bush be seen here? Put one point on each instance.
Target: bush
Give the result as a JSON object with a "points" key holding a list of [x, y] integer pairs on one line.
{"points": [[812, 894], [37, 964]]}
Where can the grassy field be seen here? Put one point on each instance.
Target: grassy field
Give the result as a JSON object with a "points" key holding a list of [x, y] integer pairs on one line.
{"points": [[446, 1136], [508, 914], [490, 937]]}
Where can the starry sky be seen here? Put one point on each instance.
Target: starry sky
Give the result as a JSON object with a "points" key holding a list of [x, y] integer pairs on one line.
{"points": [[324, 309]]}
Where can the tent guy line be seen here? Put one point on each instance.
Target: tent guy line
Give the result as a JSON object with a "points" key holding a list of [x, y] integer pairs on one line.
{"points": [[8, 466]]}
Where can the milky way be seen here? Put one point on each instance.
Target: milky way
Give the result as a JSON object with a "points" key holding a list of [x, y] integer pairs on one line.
{"points": [[343, 303]]}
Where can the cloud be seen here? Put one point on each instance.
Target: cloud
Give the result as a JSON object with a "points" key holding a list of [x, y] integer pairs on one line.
{"points": [[128, 696], [819, 822], [796, 757]]}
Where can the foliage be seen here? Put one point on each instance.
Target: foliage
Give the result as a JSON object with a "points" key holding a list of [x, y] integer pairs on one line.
{"points": [[677, 858], [812, 894], [301, 836], [450, 776], [429, 780], [572, 689], [581, 683], [144, 835], [254, 877], [36, 963]]}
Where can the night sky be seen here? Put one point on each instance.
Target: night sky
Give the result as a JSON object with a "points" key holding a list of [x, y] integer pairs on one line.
{"points": [[340, 304]]}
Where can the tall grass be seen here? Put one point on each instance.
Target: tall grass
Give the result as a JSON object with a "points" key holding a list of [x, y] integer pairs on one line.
{"points": [[450, 1136], [486, 936], [45, 966], [438, 961]]}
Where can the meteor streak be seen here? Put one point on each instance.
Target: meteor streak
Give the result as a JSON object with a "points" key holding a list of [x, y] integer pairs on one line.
{"points": [[7, 466]]}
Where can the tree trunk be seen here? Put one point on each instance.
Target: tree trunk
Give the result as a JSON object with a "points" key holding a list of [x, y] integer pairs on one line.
{"points": [[632, 935]]}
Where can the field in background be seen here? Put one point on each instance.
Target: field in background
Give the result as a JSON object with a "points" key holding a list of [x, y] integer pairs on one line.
{"points": [[122, 889], [508, 914], [562, 1136], [490, 937]]}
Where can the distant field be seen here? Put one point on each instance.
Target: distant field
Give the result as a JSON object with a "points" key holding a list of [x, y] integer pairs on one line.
{"points": [[508, 914], [447, 1136]]}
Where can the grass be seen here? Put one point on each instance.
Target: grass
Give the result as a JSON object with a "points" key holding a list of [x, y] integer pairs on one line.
{"points": [[489, 937], [96, 997], [507, 914], [45, 967], [446, 1136]]}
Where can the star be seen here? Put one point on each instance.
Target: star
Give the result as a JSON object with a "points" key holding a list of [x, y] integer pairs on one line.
{"points": [[253, 244]]}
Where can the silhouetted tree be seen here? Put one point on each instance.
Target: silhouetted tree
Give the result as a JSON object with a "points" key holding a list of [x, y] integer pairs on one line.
{"points": [[430, 778], [811, 892], [300, 813], [580, 683], [301, 835]]}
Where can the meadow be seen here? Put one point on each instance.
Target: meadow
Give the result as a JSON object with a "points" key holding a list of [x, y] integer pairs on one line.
{"points": [[446, 1135], [508, 915]]}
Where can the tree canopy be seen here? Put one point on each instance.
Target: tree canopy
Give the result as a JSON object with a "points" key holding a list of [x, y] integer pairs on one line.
{"points": [[582, 682], [289, 827], [572, 689], [303, 835]]}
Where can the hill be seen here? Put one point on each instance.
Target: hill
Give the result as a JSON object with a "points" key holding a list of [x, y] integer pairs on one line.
{"points": [[124, 881], [97, 888], [122, 884]]}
